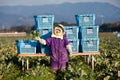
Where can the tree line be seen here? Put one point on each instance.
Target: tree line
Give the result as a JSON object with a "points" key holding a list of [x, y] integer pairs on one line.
{"points": [[106, 27], [110, 27]]}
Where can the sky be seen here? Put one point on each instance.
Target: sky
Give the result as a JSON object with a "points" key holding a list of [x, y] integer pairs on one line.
{"points": [[43, 2]]}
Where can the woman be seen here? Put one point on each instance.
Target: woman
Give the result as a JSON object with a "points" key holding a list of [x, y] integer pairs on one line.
{"points": [[60, 46]]}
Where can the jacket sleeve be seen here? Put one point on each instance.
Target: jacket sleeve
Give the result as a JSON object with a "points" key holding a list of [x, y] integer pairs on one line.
{"points": [[48, 41], [68, 45]]}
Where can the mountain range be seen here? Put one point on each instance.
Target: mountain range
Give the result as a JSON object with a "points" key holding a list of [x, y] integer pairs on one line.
{"points": [[23, 15]]}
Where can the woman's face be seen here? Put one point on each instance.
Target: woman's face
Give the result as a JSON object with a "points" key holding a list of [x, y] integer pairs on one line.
{"points": [[58, 31]]}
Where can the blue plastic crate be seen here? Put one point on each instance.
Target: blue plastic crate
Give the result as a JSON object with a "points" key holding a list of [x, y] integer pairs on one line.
{"points": [[88, 32], [75, 45], [45, 32], [118, 35], [45, 49], [85, 19], [43, 26], [26, 46], [44, 21], [89, 45], [71, 32]]}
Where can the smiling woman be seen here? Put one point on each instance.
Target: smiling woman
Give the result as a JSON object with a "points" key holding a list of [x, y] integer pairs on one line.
{"points": [[59, 48]]}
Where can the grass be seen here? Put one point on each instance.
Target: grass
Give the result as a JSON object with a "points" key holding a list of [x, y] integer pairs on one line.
{"points": [[106, 65]]}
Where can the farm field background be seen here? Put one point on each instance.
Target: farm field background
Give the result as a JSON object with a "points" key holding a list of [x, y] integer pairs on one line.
{"points": [[107, 64]]}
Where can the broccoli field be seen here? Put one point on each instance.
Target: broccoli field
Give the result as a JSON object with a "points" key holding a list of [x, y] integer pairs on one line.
{"points": [[107, 64]]}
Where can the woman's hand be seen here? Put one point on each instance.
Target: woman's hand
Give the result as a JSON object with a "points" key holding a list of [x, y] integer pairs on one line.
{"points": [[42, 41], [37, 38]]}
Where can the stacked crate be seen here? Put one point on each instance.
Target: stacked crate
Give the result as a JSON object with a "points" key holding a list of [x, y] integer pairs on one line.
{"points": [[26, 46], [88, 33], [44, 23], [72, 36], [118, 35]]}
